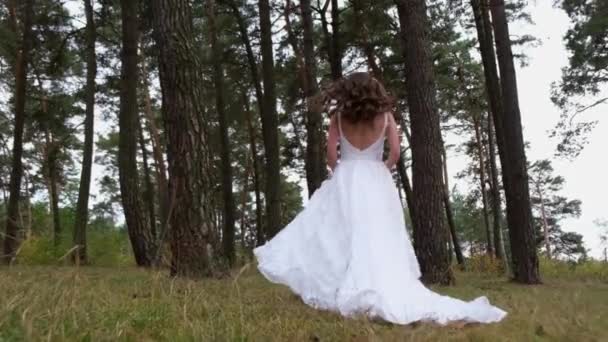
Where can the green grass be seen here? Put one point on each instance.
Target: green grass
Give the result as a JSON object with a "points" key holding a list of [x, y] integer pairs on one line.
{"points": [[127, 304]]}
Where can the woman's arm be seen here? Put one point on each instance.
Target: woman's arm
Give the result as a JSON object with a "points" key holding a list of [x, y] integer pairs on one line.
{"points": [[393, 142], [333, 134]]}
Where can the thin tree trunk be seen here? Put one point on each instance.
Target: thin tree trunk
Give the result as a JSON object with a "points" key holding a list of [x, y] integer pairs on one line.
{"points": [[454, 240], [515, 174], [499, 247], [191, 228], [331, 39], [243, 201], [405, 183], [256, 176], [316, 170], [402, 170], [336, 59], [21, 70], [366, 46], [82, 206], [545, 223], [149, 191], [138, 225], [482, 184], [430, 235], [270, 125], [251, 60], [51, 150], [157, 152], [53, 189], [218, 80]]}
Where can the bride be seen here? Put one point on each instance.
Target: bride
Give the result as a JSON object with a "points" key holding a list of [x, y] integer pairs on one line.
{"points": [[348, 250]]}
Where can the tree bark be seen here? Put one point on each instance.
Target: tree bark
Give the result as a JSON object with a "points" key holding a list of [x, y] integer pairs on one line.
{"points": [[430, 235], [270, 125], [138, 225], [256, 175], [316, 170], [515, 174], [218, 80], [191, 228], [21, 70]]}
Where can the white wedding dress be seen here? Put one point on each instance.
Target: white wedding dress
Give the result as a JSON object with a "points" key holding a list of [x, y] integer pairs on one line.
{"points": [[348, 250]]}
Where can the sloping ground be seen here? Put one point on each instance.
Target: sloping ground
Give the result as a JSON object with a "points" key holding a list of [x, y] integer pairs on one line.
{"points": [[50, 303]]}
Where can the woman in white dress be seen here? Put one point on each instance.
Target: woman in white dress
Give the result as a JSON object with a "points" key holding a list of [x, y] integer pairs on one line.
{"points": [[348, 251]]}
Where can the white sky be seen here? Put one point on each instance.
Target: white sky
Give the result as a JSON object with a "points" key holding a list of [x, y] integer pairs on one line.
{"points": [[585, 176]]}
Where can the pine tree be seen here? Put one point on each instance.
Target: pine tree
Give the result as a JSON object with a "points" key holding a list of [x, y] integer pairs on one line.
{"points": [[137, 221], [515, 175], [430, 236], [21, 68], [82, 209], [190, 227]]}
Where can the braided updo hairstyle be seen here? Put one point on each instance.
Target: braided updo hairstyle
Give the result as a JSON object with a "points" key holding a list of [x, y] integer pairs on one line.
{"points": [[358, 97]]}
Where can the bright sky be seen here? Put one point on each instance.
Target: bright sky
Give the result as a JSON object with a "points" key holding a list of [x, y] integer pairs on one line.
{"points": [[585, 176]]}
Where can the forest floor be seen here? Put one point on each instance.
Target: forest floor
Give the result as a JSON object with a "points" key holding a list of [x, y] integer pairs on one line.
{"points": [[112, 304]]}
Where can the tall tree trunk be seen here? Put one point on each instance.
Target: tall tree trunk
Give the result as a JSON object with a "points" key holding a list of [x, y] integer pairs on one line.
{"points": [[138, 225], [493, 92], [191, 228], [149, 191], [454, 241], [430, 235], [316, 170], [82, 206], [515, 174], [218, 80], [256, 175], [270, 125], [499, 246], [21, 70], [157, 151], [482, 183], [255, 80]]}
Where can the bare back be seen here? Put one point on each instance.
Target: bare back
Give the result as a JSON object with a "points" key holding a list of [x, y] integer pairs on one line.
{"points": [[363, 134]]}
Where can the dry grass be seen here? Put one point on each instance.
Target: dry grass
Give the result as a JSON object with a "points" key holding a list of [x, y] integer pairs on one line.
{"points": [[113, 304]]}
